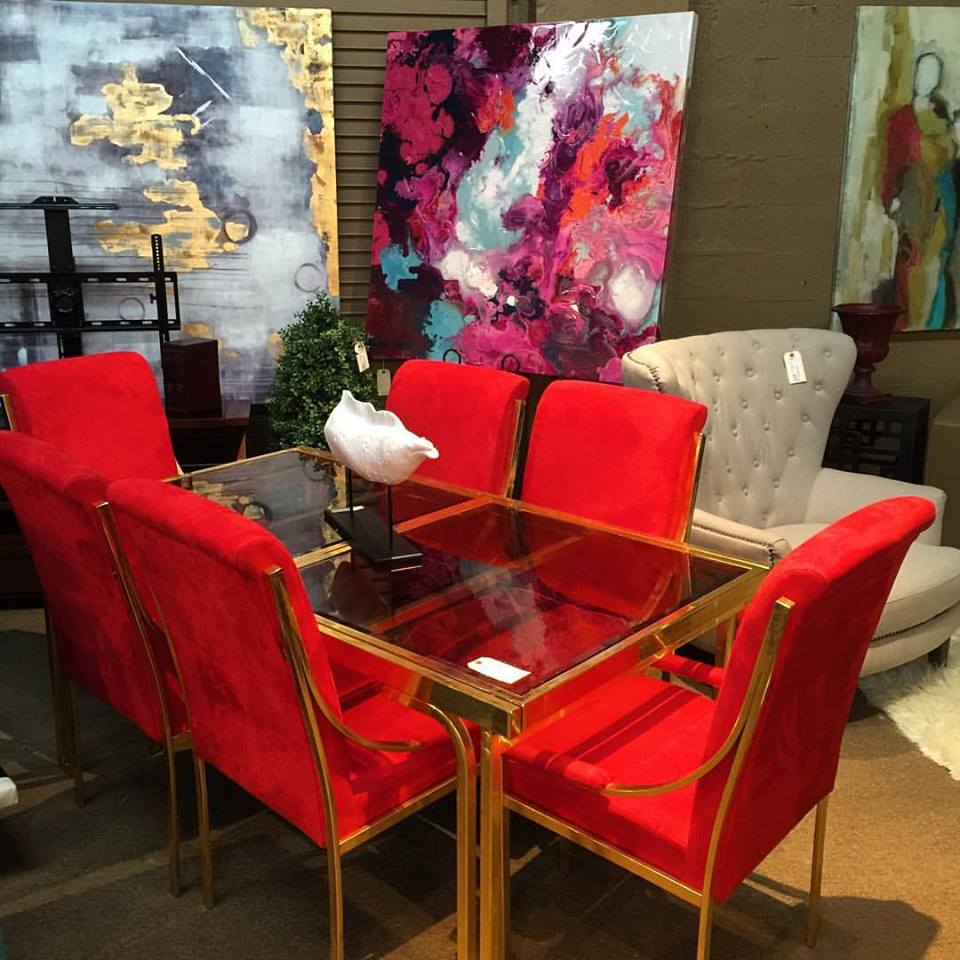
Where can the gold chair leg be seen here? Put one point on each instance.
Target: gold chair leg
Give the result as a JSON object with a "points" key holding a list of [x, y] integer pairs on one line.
{"points": [[56, 693], [706, 929], [203, 823], [68, 708], [467, 913], [335, 882], [816, 873], [505, 861], [173, 818], [492, 934], [725, 633]]}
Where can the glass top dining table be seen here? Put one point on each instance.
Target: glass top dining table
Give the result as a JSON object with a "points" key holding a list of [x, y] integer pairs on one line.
{"points": [[500, 602], [499, 612]]}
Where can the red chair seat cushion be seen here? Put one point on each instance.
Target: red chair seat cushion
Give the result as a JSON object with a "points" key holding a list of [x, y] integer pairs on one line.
{"points": [[383, 781], [636, 731]]}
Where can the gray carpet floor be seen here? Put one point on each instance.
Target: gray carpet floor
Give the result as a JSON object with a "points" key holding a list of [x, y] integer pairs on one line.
{"points": [[91, 883]]}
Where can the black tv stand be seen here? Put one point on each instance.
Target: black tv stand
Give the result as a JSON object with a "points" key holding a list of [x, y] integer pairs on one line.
{"points": [[65, 283]]}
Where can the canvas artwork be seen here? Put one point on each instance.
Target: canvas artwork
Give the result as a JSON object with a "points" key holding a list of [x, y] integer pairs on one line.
{"points": [[526, 186], [901, 189], [211, 126]]}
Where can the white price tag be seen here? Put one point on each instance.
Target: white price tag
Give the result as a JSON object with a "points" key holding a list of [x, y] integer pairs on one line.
{"points": [[793, 361], [383, 382], [497, 669], [363, 361]]}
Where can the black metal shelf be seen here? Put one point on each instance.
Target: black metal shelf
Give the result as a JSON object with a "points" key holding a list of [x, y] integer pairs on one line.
{"points": [[64, 283]]}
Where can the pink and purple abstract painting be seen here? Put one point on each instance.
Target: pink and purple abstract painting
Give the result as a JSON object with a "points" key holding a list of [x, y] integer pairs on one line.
{"points": [[526, 186]]}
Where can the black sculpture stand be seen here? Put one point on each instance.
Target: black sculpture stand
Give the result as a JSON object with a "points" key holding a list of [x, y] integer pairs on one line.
{"points": [[370, 534]]}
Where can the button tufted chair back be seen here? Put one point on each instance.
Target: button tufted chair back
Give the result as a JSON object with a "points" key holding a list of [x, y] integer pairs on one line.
{"points": [[765, 437]]}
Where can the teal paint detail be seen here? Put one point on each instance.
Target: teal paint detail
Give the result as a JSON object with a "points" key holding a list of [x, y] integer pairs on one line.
{"points": [[397, 266], [501, 156], [444, 323], [948, 199], [654, 311]]}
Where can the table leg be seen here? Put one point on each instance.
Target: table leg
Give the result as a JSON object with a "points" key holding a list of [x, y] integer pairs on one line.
{"points": [[467, 929], [725, 634], [493, 935]]}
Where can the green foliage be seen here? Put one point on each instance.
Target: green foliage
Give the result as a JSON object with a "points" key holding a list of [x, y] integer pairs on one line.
{"points": [[318, 362]]}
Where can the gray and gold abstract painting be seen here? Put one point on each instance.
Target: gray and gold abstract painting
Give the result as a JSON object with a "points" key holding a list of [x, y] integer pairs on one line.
{"points": [[211, 126]]}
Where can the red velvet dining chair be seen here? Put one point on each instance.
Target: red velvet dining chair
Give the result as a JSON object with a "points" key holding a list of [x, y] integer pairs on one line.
{"points": [[472, 415], [617, 456], [692, 793], [103, 409], [95, 639], [263, 704]]}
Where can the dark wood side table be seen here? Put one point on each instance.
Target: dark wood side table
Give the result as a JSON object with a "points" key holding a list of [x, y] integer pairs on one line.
{"points": [[19, 585], [202, 442], [888, 438]]}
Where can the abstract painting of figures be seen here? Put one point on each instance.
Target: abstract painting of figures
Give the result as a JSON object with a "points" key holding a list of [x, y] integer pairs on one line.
{"points": [[898, 232], [526, 188], [211, 126]]}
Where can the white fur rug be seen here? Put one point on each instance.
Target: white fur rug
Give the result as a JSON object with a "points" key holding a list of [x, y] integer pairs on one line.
{"points": [[924, 702]]}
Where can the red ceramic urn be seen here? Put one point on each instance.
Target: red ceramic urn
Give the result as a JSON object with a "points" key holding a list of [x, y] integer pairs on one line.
{"points": [[870, 326]]}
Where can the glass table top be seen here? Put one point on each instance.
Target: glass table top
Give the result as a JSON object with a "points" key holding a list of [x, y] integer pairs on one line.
{"points": [[506, 597], [290, 493]]}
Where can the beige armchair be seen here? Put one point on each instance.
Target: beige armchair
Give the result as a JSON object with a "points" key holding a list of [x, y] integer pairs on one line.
{"points": [[763, 490]]}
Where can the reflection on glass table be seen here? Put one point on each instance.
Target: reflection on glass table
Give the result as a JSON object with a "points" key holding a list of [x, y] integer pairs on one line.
{"points": [[290, 493], [506, 585]]}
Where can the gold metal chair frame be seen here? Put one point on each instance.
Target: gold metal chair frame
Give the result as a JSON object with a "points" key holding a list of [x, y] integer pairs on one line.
{"points": [[61, 689], [311, 701], [8, 410], [694, 487], [63, 695], [737, 742], [511, 478], [171, 743], [64, 699]]}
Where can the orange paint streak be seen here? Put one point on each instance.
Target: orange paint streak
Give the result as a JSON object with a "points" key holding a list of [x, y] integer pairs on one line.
{"points": [[497, 111], [586, 195]]}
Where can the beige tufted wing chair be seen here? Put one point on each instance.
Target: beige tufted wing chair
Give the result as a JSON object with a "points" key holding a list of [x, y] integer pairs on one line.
{"points": [[763, 490]]}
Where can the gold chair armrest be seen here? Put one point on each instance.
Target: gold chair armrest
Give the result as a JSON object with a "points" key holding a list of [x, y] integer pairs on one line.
{"points": [[746, 718], [295, 649], [652, 789], [387, 746]]}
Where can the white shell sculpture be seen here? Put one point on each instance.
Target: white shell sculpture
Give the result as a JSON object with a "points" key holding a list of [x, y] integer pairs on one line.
{"points": [[374, 443]]}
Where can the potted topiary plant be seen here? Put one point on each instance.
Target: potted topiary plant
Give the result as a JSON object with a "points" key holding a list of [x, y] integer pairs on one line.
{"points": [[317, 363]]}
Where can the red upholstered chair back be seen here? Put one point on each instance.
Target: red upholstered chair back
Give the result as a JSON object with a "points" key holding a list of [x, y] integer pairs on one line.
{"points": [[619, 456], [470, 413], [104, 410], [838, 581], [100, 647], [203, 567]]}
